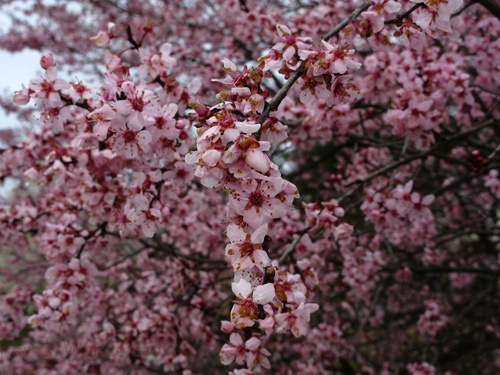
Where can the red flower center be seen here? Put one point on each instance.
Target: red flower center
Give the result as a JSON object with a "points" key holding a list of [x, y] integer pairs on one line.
{"points": [[129, 136], [256, 199]]}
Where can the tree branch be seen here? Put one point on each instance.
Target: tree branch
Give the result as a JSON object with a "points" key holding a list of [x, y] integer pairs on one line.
{"points": [[399, 19], [293, 245], [492, 6], [337, 29], [444, 269], [414, 157]]}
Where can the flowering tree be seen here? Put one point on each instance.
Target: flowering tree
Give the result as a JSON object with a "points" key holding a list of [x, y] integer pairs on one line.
{"points": [[254, 187]]}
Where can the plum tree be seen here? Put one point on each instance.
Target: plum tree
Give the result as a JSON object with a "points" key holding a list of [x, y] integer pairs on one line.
{"points": [[259, 187]]}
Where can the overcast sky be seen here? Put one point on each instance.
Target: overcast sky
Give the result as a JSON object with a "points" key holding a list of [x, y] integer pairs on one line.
{"points": [[17, 69]]}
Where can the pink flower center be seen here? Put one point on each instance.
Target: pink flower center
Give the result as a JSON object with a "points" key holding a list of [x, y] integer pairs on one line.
{"points": [[79, 88], [290, 319], [290, 40]]}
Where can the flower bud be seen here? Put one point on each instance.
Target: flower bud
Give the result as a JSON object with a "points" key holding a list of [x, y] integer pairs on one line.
{"points": [[47, 61], [227, 327]]}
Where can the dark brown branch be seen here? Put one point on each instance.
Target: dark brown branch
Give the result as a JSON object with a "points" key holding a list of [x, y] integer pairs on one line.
{"points": [[101, 228], [492, 6], [337, 29], [131, 38], [411, 158], [399, 19], [293, 245], [80, 103], [444, 269], [281, 94]]}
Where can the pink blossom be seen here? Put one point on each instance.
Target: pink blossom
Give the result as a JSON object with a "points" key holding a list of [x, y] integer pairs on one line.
{"points": [[22, 96], [296, 320], [79, 91], [159, 64], [493, 182], [245, 250], [257, 201], [235, 351], [437, 14], [245, 309], [47, 88], [256, 354], [287, 49], [148, 218], [128, 142], [139, 106]]}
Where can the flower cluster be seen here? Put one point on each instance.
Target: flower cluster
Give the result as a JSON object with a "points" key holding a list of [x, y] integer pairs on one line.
{"points": [[400, 205], [132, 124], [52, 304], [327, 75], [421, 369], [435, 15], [432, 320], [249, 353], [326, 67], [326, 216], [231, 154]]}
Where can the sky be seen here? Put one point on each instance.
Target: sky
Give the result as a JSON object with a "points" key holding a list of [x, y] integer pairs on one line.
{"points": [[17, 69]]}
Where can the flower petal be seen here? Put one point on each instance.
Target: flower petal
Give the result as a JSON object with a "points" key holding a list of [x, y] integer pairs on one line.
{"points": [[264, 293]]}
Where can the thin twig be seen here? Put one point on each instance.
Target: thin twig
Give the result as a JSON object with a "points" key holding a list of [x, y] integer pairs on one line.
{"points": [[337, 29], [492, 155], [101, 228], [293, 245]]}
